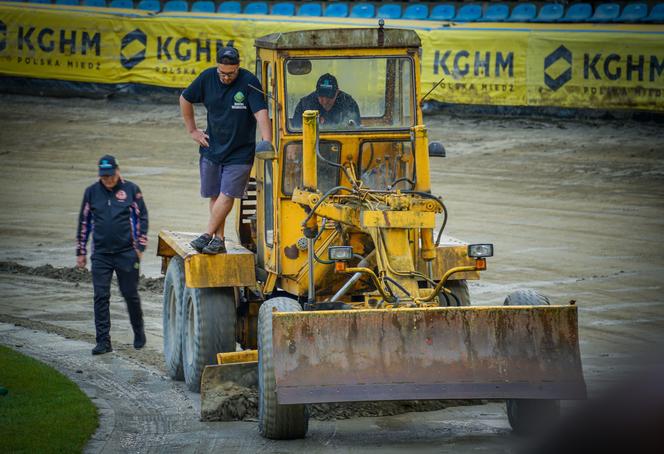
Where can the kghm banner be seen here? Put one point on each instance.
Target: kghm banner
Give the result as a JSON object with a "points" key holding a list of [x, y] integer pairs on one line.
{"points": [[583, 66]]}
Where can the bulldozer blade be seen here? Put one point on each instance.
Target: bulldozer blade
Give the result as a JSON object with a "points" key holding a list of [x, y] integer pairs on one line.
{"points": [[519, 352]]}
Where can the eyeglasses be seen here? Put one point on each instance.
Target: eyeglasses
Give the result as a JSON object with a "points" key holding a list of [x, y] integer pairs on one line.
{"points": [[226, 75]]}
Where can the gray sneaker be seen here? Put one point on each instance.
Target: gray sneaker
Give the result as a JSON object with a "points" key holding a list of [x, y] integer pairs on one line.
{"points": [[199, 243], [216, 246]]}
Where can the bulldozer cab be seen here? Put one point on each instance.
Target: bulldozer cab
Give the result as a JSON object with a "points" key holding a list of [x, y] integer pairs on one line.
{"points": [[371, 77]]}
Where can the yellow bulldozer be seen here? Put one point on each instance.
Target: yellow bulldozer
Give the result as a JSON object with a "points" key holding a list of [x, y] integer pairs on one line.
{"points": [[340, 288]]}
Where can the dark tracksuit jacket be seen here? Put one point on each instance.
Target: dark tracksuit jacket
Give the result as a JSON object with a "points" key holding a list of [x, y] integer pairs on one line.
{"points": [[117, 219]]}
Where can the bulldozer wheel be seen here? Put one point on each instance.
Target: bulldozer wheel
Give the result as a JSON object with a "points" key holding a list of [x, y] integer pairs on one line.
{"points": [[530, 416], [172, 318], [209, 328], [460, 289], [279, 422]]}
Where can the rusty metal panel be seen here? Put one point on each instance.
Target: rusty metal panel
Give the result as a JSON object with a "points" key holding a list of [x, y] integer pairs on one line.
{"points": [[450, 253], [427, 353], [398, 219], [233, 269]]}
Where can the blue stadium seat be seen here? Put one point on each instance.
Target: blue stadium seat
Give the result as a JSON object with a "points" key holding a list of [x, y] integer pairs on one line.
{"points": [[468, 13], [389, 11], [442, 12], [633, 12], [606, 12], [310, 10], [523, 12], [578, 12], [256, 8], [550, 12], [229, 8], [176, 6], [127, 4], [283, 9], [496, 12], [656, 14], [149, 5], [203, 6], [95, 3], [416, 11], [336, 10], [67, 2], [46, 2], [363, 10]]}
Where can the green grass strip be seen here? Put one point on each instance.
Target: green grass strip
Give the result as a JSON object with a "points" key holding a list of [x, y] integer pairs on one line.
{"points": [[43, 411]]}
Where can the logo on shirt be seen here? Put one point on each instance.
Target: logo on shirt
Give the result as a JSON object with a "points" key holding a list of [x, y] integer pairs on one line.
{"points": [[239, 101], [121, 195]]}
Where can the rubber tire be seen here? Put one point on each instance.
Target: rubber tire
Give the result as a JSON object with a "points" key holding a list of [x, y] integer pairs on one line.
{"points": [[172, 317], [530, 416], [460, 289], [278, 422], [209, 328]]}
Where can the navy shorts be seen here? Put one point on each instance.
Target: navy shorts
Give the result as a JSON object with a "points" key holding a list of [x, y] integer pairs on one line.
{"points": [[230, 180]]}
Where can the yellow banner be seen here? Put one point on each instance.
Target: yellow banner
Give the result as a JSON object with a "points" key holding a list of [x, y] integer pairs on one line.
{"points": [[590, 66], [473, 67]]}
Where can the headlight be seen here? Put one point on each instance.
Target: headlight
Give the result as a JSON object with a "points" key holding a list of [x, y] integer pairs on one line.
{"points": [[340, 253], [478, 251]]}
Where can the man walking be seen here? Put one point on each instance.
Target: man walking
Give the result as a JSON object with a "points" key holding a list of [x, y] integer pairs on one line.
{"points": [[234, 103], [114, 212]]}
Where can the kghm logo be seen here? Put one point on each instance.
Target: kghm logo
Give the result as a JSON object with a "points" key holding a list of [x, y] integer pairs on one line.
{"points": [[558, 62], [133, 47], [3, 36]]}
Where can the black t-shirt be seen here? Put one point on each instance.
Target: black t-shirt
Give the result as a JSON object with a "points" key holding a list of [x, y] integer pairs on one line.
{"points": [[344, 109], [231, 124]]}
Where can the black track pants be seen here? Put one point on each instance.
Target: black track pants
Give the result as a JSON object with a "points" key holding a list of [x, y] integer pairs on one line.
{"points": [[126, 267]]}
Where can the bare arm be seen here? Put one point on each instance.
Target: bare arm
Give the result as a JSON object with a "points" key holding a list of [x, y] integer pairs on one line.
{"points": [[198, 135], [264, 124]]}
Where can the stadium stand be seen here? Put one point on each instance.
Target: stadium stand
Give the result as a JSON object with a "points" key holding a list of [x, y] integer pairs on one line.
{"points": [[458, 11], [468, 13], [310, 10], [416, 12], [656, 14], [176, 6], [203, 6], [550, 12], [336, 10], [606, 12], [496, 12], [442, 12], [127, 4], [389, 11], [523, 12], [283, 9], [633, 12], [229, 8], [149, 5], [578, 12], [256, 8]]}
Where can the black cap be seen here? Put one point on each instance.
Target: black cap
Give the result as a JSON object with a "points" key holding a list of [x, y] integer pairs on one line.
{"points": [[228, 56], [107, 165], [327, 86]]}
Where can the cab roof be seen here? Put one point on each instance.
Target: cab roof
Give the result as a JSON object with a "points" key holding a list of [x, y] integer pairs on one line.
{"points": [[340, 38]]}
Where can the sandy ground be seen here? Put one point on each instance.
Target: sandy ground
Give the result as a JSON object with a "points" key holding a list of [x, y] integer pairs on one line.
{"points": [[574, 209]]}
